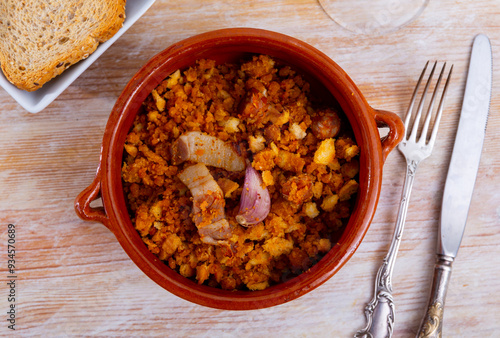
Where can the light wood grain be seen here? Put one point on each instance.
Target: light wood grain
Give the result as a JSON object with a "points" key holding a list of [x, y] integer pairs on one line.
{"points": [[75, 279]]}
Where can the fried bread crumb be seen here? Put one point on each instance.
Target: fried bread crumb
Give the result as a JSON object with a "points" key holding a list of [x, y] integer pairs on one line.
{"points": [[264, 111]]}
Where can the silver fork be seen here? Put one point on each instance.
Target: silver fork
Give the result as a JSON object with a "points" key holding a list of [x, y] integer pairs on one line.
{"points": [[379, 311]]}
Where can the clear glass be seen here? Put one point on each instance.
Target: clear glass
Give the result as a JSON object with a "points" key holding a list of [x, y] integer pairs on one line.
{"points": [[373, 17]]}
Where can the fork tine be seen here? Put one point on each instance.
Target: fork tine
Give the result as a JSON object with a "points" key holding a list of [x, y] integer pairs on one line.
{"points": [[423, 135], [412, 102], [416, 122], [440, 110]]}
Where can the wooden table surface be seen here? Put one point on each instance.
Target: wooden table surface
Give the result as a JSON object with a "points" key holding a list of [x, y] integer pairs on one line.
{"points": [[73, 278]]}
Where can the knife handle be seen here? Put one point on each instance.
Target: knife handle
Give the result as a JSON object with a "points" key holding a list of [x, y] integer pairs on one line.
{"points": [[432, 323]]}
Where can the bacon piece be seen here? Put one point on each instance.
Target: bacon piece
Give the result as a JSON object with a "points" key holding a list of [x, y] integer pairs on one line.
{"points": [[198, 147], [208, 204]]}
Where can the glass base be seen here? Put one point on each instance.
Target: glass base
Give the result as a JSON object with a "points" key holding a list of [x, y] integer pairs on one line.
{"points": [[373, 17]]}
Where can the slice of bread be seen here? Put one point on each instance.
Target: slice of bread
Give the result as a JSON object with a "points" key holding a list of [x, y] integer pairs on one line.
{"points": [[39, 39]]}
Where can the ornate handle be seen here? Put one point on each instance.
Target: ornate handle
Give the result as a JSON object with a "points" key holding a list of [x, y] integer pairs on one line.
{"points": [[87, 196], [385, 118], [432, 323], [379, 311]]}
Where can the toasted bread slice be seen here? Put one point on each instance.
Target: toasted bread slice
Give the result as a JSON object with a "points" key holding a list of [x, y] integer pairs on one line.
{"points": [[39, 39]]}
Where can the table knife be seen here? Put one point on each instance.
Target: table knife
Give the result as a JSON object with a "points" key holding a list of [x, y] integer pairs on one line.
{"points": [[460, 180]]}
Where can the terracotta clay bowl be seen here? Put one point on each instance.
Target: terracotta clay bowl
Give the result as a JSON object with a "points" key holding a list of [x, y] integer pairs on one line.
{"points": [[230, 45]]}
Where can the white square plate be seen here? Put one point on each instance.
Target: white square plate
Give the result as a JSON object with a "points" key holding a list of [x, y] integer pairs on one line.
{"points": [[41, 98]]}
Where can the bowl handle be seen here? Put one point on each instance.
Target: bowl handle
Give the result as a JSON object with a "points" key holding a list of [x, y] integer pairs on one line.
{"points": [[87, 196], [385, 118]]}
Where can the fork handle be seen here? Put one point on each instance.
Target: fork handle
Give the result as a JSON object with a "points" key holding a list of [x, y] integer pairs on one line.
{"points": [[432, 323], [380, 311]]}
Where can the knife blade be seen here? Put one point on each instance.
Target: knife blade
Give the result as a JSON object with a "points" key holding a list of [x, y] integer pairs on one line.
{"points": [[460, 180], [466, 154]]}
